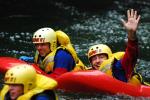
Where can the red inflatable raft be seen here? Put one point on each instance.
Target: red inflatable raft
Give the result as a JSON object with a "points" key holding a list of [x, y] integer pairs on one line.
{"points": [[86, 81]]}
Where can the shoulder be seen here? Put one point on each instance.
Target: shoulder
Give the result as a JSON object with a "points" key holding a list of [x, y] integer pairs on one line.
{"points": [[63, 53]]}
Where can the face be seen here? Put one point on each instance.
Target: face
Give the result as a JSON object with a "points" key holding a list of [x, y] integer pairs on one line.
{"points": [[97, 60], [43, 48], [15, 91]]}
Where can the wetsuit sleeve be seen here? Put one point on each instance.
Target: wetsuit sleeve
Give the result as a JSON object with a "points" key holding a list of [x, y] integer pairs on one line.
{"points": [[63, 62], [130, 58]]}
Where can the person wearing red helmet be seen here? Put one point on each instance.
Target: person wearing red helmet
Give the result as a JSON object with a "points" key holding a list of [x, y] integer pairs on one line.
{"points": [[120, 65]]}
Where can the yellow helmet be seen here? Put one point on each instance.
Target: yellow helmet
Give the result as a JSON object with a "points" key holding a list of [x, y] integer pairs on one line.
{"points": [[21, 74], [99, 49], [45, 35]]}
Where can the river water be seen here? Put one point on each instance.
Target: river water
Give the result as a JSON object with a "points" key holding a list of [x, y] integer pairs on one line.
{"points": [[85, 28]]}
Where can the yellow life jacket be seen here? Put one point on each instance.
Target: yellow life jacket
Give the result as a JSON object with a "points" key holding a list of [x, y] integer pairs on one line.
{"points": [[65, 44], [106, 67], [136, 79], [43, 83]]}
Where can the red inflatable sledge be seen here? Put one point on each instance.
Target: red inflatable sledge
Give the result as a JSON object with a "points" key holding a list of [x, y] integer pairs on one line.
{"points": [[95, 81], [8, 62], [86, 81]]}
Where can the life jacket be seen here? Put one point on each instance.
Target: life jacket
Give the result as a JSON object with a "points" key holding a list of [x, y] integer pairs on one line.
{"points": [[107, 65], [48, 63], [43, 83]]}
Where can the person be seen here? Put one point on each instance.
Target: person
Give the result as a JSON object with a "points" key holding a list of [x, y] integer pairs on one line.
{"points": [[21, 82], [120, 65], [55, 55]]}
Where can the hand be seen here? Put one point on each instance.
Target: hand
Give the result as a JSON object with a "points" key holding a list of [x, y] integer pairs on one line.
{"points": [[132, 23], [27, 59]]}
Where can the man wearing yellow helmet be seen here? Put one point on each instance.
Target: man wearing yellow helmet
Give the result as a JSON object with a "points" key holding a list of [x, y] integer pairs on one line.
{"points": [[119, 65], [21, 82], [55, 54]]}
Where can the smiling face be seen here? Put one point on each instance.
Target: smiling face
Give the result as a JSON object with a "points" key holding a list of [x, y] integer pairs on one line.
{"points": [[43, 48], [97, 60], [43, 36], [15, 90]]}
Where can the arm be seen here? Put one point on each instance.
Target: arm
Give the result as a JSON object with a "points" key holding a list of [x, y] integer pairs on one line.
{"points": [[129, 60]]}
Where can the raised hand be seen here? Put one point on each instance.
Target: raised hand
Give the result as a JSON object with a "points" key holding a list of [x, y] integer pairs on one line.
{"points": [[132, 23]]}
